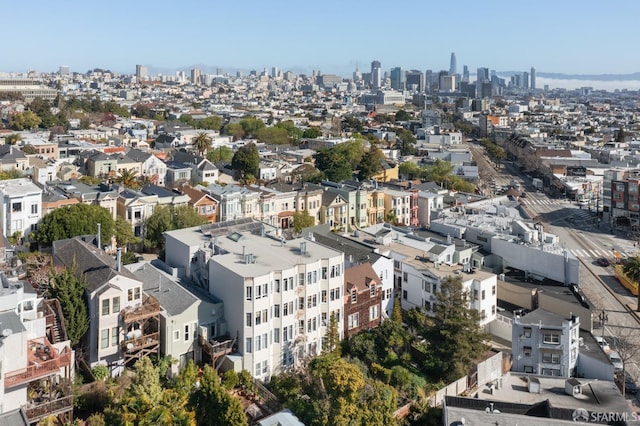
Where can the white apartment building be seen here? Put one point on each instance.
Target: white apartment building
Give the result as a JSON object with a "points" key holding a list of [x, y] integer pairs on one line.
{"points": [[278, 297], [545, 343], [21, 206]]}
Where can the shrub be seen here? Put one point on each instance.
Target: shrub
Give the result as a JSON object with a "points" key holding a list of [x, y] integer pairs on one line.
{"points": [[230, 379], [100, 372]]}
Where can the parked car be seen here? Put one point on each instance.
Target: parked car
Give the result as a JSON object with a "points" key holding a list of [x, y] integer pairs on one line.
{"points": [[630, 386], [603, 343], [603, 261], [614, 357]]}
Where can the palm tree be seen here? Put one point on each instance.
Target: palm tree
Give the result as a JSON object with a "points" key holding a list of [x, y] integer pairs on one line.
{"points": [[202, 143], [631, 268], [128, 178]]}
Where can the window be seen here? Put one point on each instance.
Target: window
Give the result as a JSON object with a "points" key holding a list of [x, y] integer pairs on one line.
{"points": [[114, 336], [258, 340], [186, 332], [527, 332], [248, 293], [285, 334], [300, 302], [285, 309], [324, 318], [389, 293], [404, 294], [483, 294], [105, 307], [258, 369], [323, 296], [526, 351], [372, 291], [301, 278], [286, 284], [133, 294], [427, 306], [258, 291], [405, 277], [550, 338], [493, 309], [374, 312], [34, 209], [475, 294], [551, 357], [276, 335], [277, 284], [265, 367], [334, 294], [115, 304], [16, 207], [528, 369], [265, 290], [176, 335], [301, 327], [276, 311], [493, 290], [104, 338], [353, 320], [249, 319], [324, 272], [354, 296]]}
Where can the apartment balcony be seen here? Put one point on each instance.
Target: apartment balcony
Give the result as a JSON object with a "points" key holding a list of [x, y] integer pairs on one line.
{"points": [[50, 408], [216, 349], [42, 360], [142, 342], [55, 399], [149, 308]]}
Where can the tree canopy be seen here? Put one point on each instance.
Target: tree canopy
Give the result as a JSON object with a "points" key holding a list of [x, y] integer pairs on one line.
{"points": [[69, 287], [169, 218], [370, 163], [202, 143], [221, 153], [246, 160], [25, 120], [302, 219], [71, 221]]}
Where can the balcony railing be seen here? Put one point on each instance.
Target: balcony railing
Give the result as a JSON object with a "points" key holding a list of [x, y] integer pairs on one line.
{"points": [[149, 308], [55, 407], [141, 342], [216, 348], [39, 367]]}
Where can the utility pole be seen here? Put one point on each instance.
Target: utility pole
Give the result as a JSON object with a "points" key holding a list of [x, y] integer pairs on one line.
{"points": [[603, 319]]}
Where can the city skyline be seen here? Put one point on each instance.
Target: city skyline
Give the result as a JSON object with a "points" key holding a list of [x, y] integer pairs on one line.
{"points": [[333, 38]]}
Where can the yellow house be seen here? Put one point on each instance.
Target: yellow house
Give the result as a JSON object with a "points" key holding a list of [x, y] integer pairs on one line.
{"points": [[389, 172]]}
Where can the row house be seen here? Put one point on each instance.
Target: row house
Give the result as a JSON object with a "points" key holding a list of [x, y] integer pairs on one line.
{"points": [[334, 210], [192, 325], [43, 148], [136, 208], [276, 208], [100, 195], [375, 206], [204, 204], [203, 171], [97, 164], [362, 298], [235, 202], [166, 197], [421, 264], [12, 158], [124, 320], [178, 173], [21, 206], [355, 193], [398, 204], [152, 167], [36, 358]]}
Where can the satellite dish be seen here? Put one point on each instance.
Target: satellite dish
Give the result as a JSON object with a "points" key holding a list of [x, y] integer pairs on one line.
{"points": [[7, 332]]}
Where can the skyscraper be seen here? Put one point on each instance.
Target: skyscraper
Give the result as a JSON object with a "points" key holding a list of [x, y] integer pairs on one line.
{"points": [[414, 80], [453, 68], [141, 72], [64, 70], [397, 78], [465, 73], [195, 76], [533, 78], [376, 75]]}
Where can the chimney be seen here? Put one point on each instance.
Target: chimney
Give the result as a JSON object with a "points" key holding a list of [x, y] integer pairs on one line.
{"points": [[98, 243], [119, 259]]}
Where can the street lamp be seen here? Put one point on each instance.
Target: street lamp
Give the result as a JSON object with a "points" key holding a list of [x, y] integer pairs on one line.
{"points": [[603, 319]]}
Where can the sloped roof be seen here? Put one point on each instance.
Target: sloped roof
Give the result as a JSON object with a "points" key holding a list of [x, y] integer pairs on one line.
{"points": [[360, 277]]}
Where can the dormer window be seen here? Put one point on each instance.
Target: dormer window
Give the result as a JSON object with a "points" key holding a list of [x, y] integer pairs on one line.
{"points": [[372, 290], [354, 296]]}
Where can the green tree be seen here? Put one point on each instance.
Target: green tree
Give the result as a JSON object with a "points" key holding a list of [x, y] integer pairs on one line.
{"points": [[210, 397], [294, 133], [370, 163], [411, 170], [250, 125], [235, 130], [406, 141], [202, 143], [402, 115], [302, 219], [29, 149], [42, 108], [631, 268], [187, 119], [459, 184], [396, 314], [12, 139], [454, 331], [246, 160], [332, 339], [71, 221], [220, 154], [213, 122], [24, 120], [312, 133], [439, 171], [169, 218], [128, 178], [69, 288], [124, 233], [272, 135], [334, 166]]}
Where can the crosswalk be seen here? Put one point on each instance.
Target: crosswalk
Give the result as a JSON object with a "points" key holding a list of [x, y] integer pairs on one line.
{"points": [[543, 202], [596, 253]]}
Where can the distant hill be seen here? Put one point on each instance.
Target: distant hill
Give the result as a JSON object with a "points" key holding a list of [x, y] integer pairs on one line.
{"points": [[592, 77]]}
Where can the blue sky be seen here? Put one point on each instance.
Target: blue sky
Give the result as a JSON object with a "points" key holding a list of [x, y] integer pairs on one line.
{"points": [[566, 36]]}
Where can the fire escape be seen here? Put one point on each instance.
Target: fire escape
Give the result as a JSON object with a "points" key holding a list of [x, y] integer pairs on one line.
{"points": [[142, 337]]}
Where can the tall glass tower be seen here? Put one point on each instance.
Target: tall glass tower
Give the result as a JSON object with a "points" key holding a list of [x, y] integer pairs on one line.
{"points": [[453, 68]]}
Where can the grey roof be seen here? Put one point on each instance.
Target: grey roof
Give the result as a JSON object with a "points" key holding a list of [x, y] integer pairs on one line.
{"points": [[175, 165], [98, 266], [207, 165], [160, 191], [541, 316], [14, 418], [281, 418], [138, 155], [172, 297], [352, 250], [185, 157], [9, 153], [9, 320], [437, 249]]}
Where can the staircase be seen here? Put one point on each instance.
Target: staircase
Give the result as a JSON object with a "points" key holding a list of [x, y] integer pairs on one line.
{"points": [[55, 321]]}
